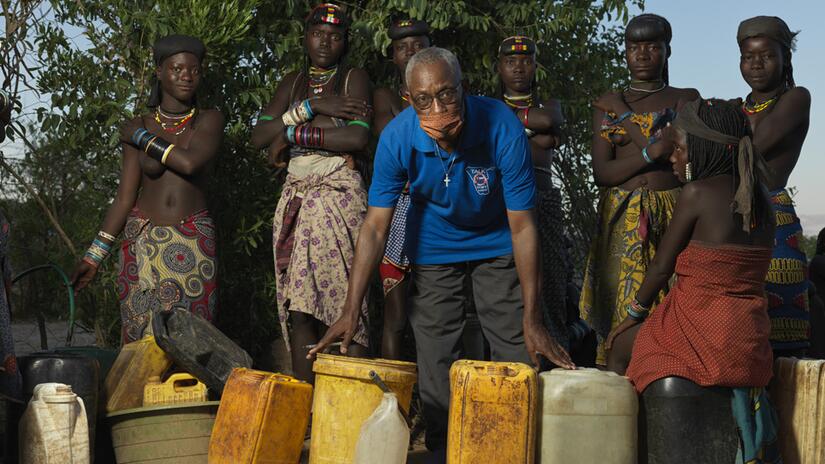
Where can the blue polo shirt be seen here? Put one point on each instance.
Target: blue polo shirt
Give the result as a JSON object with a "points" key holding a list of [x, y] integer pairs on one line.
{"points": [[491, 172]]}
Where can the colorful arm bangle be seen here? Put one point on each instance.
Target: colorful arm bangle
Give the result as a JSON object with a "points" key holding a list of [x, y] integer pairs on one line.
{"points": [[107, 236], [141, 137], [308, 109], [166, 154], [636, 311], [289, 131], [356, 122], [646, 156], [265, 118], [157, 147]]}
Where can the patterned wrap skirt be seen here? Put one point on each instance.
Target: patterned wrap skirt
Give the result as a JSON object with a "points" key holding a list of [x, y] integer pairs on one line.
{"points": [[631, 225], [166, 266], [315, 229], [787, 281], [555, 264], [395, 265]]}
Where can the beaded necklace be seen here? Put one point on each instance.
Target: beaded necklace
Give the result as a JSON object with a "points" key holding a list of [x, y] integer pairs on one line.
{"points": [[319, 77], [519, 102], [178, 123], [751, 108]]}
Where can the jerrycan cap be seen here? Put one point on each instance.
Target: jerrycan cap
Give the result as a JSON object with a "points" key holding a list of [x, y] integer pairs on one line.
{"points": [[55, 393]]}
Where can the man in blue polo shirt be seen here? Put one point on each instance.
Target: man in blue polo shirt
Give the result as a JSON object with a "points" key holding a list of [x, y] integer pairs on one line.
{"points": [[471, 183]]}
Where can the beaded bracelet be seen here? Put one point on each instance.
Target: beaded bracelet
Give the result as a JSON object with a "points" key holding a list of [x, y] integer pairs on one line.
{"points": [[300, 113], [647, 158], [97, 252], [636, 311], [107, 236]]}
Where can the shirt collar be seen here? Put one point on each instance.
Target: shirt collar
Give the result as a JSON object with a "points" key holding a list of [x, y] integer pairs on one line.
{"points": [[471, 134]]}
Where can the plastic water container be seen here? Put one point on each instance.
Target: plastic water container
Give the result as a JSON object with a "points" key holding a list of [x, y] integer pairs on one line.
{"points": [[492, 413], [54, 429], [684, 422], [798, 393], [178, 388], [385, 436], [263, 418], [198, 347], [345, 396], [81, 372], [136, 363], [587, 417]]}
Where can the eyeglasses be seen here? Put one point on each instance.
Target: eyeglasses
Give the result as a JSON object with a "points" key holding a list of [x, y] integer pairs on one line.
{"points": [[448, 96]]}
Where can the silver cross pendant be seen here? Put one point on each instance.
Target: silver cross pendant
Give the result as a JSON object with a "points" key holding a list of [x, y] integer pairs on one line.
{"points": [[446, 180]]}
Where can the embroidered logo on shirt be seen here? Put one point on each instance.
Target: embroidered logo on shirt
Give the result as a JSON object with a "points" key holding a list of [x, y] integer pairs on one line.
{"points": [[480, 178]]}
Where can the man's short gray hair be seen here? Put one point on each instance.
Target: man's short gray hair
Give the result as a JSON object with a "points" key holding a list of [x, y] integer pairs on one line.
{"points": [[432, 55]]}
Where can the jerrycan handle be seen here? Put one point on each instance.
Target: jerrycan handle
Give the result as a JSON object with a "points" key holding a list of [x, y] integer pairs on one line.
{"points": [[383, 386], [183, 382]]}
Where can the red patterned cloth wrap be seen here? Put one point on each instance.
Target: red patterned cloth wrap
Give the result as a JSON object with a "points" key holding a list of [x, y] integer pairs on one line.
{"points": [[395, 265], [712, 327], [166, 266]]}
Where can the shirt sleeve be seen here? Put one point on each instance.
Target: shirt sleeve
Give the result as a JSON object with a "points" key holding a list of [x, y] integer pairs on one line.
{"points": [[517, 178], [389, 174]]}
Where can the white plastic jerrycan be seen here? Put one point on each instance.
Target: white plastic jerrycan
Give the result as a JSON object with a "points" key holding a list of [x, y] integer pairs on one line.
{"points": [[54, 429], [587, 417], [385, 436]]}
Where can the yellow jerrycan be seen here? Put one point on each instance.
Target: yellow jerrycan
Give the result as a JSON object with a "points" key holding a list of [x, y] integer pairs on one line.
{"points": [[136, 363], [178, 388], [345, 396], [588, 416], [492, 413], [798, 393], [263, 418]]}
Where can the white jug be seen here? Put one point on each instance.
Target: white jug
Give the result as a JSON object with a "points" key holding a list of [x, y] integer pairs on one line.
{"points": [[385, 436], [54, 429], [587, 417]]}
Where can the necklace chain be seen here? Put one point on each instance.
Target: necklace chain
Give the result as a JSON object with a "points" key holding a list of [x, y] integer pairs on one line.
{"points": [[637, 89], [447, 169]]}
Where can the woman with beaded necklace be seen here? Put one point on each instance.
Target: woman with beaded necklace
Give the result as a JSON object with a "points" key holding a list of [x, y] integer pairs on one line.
{"points": [[542, 120], [639, 189], [779, 115], [167, 256], [317, 122]]}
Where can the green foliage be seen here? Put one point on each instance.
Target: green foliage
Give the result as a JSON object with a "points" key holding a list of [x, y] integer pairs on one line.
{"points": [[99, 79]]}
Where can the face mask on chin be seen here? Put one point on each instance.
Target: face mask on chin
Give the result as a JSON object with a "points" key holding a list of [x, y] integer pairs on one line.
{"points": [[442, 126]]}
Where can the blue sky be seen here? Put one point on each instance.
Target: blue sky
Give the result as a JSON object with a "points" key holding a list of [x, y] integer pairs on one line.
{"points": [[706, 56]]}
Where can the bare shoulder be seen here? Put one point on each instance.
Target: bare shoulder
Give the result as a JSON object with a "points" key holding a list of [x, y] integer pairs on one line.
{"points": [[382, 92], [359, 74], [687, 94], [797, 95], [694, 193], [211, 116]]}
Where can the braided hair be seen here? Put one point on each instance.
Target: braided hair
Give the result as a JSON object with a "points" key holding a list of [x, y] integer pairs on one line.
{"points": [[710, 159], [650, 27]]}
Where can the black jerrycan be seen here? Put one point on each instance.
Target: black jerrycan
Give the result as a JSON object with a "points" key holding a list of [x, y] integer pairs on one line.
{"points": [[680, 421]]}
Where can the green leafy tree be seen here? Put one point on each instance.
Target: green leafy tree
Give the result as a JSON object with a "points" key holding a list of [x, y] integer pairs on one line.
{"points": [[94, 62]]}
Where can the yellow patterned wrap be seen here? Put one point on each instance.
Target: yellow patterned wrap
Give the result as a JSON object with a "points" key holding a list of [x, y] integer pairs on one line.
{"points": [[631, 225]]}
